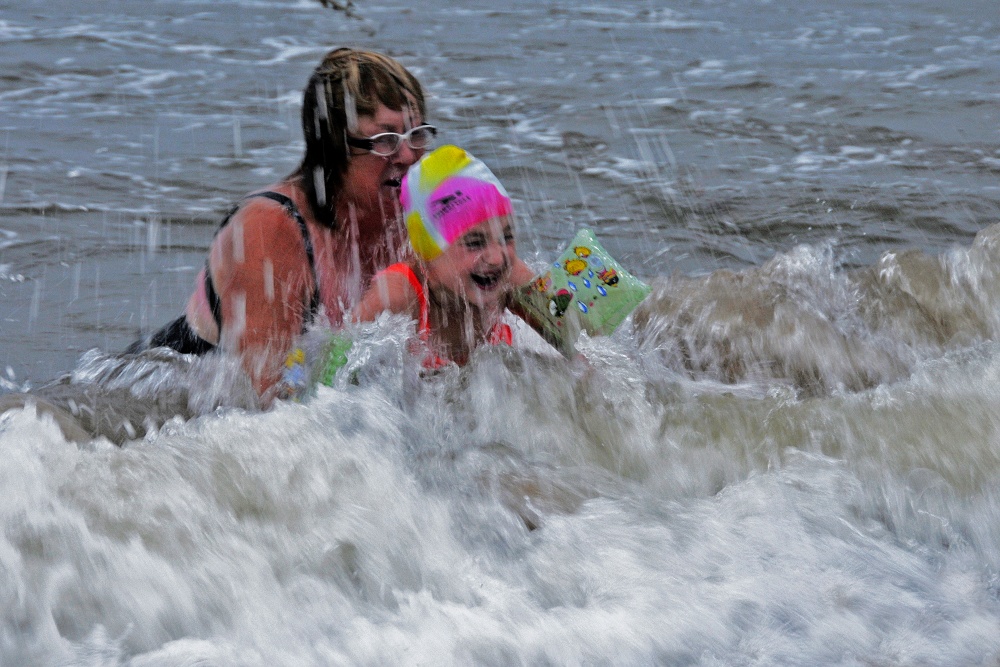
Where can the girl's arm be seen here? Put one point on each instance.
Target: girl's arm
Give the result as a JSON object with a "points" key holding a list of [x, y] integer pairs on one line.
{"points": [[520, 274], [389, 292]]}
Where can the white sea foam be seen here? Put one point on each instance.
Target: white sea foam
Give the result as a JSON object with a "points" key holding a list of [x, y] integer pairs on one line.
{"points": [[787, 456]]}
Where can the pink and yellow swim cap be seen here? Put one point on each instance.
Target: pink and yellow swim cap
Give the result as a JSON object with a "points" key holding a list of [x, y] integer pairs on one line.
{"points": [[444, 195]]}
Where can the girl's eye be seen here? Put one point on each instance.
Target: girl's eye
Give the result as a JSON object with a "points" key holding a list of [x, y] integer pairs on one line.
{"points": [[474, 243]]}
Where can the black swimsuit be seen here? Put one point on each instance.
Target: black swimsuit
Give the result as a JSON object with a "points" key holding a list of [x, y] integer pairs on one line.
{"points": [[178, 334]]}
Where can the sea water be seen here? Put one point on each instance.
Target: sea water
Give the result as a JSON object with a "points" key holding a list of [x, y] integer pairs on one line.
{"points": [[787, 456]]}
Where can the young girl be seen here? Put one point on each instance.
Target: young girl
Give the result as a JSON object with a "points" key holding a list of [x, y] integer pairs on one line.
{"points": [[460, 224]]}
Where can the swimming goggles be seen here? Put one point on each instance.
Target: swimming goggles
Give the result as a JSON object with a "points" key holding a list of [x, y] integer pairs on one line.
{"points": [[388, 143]]}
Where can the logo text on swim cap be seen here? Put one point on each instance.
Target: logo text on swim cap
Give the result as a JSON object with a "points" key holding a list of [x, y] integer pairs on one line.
{"points": [[445, 205]]}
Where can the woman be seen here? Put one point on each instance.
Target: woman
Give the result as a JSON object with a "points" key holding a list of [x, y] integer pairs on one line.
{"points": [[310, 244]]}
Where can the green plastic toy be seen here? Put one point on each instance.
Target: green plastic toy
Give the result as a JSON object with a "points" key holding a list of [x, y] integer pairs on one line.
{"points": [[333, 358]]}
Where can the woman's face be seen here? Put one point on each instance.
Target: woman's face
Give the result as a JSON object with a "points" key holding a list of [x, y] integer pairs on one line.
{"points": [[477, 266], [372, 181]]}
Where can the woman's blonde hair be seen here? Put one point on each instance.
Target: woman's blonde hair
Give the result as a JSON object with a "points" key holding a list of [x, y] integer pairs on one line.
{"points": [[348, 83]]}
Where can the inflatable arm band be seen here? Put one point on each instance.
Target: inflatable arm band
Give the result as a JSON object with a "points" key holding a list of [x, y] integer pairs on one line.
{"points": [[584, 290]]}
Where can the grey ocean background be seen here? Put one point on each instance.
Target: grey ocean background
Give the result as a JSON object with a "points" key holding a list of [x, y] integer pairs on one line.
{"points": [[789, 456]]}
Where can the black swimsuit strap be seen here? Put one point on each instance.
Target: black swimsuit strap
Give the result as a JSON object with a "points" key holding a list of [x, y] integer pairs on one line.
{"points": [[213, 297]]}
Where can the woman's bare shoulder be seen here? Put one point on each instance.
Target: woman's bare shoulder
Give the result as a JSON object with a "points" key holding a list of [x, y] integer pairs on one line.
{"points": [[262, 228], [265, 215]]}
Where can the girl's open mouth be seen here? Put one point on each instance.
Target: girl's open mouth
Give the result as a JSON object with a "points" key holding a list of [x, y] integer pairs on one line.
{"points": [[487, 281]]}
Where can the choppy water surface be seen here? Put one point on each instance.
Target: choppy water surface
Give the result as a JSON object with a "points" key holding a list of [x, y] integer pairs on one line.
{"points": [[788, 456]]}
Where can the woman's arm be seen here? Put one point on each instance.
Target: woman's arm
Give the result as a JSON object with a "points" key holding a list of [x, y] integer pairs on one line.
{"points": [[261, 273]]}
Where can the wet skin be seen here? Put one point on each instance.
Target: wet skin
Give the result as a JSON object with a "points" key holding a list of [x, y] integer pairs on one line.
{"points": [[477, 267], [371, 183], [259, 265]]}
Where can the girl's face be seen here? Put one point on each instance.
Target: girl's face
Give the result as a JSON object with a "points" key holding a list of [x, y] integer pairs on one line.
{"points": [[477, 266]]}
